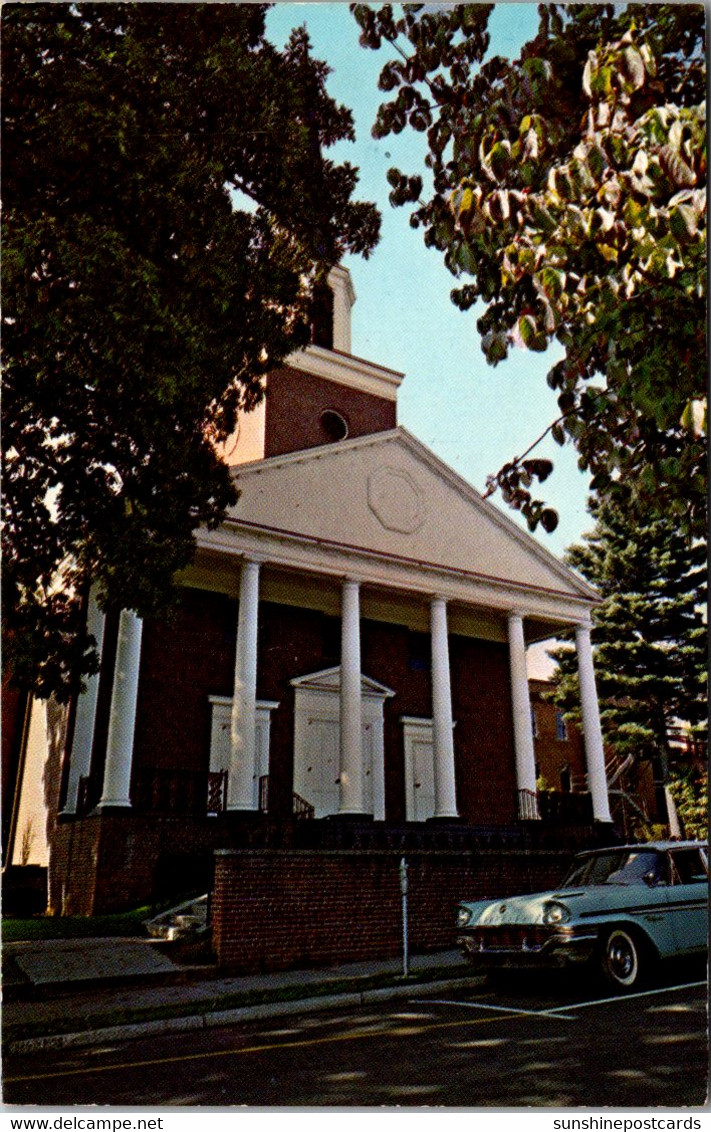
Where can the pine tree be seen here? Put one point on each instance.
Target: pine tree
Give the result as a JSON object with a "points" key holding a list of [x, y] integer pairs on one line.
{"points": [[648, 633]]}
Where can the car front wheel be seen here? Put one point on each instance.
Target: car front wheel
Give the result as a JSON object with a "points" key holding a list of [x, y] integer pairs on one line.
{"points": [[623, 961]]}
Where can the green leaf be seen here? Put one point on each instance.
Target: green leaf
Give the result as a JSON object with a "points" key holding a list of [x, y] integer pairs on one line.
{"points": [[500, 159]]}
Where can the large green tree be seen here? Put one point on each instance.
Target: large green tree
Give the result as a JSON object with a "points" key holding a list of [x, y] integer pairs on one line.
{"points": [[168, 206], [566, 190], [648, 633]]}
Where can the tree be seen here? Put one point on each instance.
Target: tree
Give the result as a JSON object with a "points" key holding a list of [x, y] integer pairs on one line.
{"points": [[168, 209], [648, 632], [690, 792], [569, 185]]}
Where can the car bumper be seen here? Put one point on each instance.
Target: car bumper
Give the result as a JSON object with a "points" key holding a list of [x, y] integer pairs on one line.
{"points": [[564, 947]]}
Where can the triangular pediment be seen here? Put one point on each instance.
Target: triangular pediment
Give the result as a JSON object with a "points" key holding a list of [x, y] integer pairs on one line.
{"points": [[329, 680], [387, 494]]}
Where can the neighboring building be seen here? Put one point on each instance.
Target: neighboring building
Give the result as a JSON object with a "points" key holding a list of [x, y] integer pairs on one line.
{"points": [[638, 801], [349, 653], [560, 753]]}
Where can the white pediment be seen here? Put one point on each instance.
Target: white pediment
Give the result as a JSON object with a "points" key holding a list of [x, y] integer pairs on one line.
{"points": [[387, 494], [329, 680]]}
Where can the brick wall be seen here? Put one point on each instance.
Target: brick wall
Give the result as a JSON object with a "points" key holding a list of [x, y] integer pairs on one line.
{"points": [[273, 910], [295, 401], [183, 662], [108, 862]]}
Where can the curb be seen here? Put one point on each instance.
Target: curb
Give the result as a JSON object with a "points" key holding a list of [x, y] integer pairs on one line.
{"points": [[160, 1026]]}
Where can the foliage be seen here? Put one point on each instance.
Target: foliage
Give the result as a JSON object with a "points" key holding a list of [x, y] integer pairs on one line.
{"points": [[143, 298], [570, 185], [648, 632], [15, 929], [691, 797]]}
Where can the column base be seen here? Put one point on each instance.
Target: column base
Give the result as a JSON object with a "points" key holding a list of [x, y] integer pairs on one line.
{"points": [[445, 819], [112, 804]]}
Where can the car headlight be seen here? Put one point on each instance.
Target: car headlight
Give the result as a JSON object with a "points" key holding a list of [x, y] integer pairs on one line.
{"points": [[555, 913], [463, 917]]}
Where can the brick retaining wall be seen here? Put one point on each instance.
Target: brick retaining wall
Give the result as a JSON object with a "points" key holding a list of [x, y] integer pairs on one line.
{"points": [[273, 910]]}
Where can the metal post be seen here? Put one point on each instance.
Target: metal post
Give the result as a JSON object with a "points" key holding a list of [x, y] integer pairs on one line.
{"points": [[405, 946]]}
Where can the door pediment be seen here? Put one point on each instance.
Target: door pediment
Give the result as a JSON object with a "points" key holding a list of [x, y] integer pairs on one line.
{"points": [[329, 680]]}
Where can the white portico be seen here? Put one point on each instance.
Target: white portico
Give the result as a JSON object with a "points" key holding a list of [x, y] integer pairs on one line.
{"points": [[378, 528], [373, 528]]}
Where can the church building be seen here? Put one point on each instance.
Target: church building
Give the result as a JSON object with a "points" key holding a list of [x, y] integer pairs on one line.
{"points": [[347, 664]]}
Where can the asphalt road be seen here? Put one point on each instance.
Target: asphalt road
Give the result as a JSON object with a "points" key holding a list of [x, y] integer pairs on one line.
{"points": [[498, 1047]]}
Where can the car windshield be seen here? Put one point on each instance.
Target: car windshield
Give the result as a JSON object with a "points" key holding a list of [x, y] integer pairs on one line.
{"points": [[621, 866]]}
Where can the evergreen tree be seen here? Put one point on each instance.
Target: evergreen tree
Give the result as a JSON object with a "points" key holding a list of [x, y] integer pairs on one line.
{"points": [[168, 206], [648, 633], [690, 791]]}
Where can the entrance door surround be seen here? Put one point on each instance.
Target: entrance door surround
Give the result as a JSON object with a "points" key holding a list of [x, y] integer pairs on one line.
{"points": [[316, 741], [220, 742]]}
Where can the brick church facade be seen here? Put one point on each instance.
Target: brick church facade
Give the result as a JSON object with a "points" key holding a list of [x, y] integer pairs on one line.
{"points": [[346, 670]]}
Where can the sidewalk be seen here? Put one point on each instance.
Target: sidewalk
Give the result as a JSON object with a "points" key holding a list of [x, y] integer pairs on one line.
{"points": [[62, 993]]}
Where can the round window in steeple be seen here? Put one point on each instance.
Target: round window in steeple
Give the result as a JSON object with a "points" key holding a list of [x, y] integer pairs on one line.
{"points": [[333, 425]]}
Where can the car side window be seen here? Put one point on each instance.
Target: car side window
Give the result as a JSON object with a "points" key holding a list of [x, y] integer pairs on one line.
{"points": [[687, 866]]}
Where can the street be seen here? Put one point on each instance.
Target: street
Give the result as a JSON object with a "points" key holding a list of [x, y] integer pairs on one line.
{"points": [[503, 1046]]}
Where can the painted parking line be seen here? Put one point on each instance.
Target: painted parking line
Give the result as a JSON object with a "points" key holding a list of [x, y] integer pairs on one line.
{"points": [[625, 997], [501, 1009], [559, 1011]]}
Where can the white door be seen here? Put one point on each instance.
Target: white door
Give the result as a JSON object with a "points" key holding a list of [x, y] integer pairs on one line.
{"points": [[318, 782], [419, 768], [423, 782], [321, 769]]}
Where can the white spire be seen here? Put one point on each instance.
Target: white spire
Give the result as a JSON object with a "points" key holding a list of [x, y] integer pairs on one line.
{"points": [[339, 280]]}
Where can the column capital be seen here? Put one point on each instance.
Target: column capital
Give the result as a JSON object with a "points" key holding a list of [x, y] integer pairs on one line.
{"points": [[516, 615]]}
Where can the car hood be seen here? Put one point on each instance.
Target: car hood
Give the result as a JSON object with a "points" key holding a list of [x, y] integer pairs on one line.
{"points": [[521, 909]]}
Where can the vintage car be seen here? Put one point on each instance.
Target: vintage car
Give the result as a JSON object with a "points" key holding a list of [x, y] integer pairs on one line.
{"points": [[622, 909]]}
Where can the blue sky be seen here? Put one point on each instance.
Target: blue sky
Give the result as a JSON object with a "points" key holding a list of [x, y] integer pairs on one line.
{"points": [[473, 416]]}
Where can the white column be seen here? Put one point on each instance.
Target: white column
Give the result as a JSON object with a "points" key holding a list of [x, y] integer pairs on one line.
{"points": [[592, 732], [522, 722], [351, 736], [442, 723], [243, 729], [122, 719], [85, 718]]}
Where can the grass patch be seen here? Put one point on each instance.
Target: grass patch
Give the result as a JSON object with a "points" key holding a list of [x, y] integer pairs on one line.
{"points": [[16, 930], [125, 1016]]}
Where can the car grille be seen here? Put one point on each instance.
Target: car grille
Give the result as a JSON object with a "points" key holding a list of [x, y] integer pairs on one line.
{"points": [[510, 937]]}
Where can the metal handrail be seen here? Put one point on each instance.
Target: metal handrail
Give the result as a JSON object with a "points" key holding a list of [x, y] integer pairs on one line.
{"points": [[217, 791], [528, 805], [301, 809]]}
